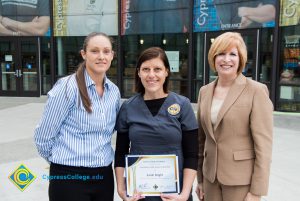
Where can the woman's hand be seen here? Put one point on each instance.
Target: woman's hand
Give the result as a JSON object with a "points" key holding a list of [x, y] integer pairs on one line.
{"points": [[200, 192], [252, 197], [135, 197], [173, 197]]}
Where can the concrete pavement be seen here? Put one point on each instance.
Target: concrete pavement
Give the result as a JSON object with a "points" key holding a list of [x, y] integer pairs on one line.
{"points": [[19, 116]]}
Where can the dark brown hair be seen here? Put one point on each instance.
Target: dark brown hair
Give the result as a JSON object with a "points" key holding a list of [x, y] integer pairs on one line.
{"points": [[86, 101], [148, 54]]}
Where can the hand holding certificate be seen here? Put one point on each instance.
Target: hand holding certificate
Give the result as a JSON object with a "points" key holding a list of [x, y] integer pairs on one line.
{"points": [[152, 175]]}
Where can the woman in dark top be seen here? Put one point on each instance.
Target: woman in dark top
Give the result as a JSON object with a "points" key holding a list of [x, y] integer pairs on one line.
{"points": [[148, 125]]}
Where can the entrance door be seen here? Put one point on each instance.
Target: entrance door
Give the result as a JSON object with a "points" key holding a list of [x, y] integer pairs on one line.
{"points": [[250, 38], [19, 67]]}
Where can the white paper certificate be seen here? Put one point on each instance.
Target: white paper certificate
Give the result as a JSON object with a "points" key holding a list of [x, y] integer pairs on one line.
{"points": [[152, 174]]}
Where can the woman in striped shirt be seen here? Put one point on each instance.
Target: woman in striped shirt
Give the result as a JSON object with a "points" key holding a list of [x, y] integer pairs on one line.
{"points": [[75, 131]]}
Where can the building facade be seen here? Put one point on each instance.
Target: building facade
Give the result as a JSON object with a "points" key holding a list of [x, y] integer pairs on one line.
{"points": [[40, 41]]}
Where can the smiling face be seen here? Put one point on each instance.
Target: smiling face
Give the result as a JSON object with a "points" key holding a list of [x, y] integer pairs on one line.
{"points": [[153, 74], [98, 55], [225, 43], [227, 63]]}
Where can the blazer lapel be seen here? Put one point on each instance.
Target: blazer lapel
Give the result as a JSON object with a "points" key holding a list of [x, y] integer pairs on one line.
{"points": [[207, 104], [234, 92]]}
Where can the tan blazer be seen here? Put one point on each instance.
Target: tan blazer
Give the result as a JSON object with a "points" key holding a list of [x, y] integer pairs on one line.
{"points": [[237, 151]]}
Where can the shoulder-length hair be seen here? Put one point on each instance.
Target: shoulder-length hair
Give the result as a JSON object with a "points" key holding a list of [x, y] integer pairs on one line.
{"points": [[148, 54], [224, 42]]}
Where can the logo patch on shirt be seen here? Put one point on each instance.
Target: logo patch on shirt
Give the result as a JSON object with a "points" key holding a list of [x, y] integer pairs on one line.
{"points": [[174, 109]]}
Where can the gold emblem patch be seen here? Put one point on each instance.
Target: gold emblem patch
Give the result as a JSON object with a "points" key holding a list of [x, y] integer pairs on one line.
{"points": [[174, 109]]}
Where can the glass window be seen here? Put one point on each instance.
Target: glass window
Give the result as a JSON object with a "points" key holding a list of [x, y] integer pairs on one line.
{"points": [[176, 47], [45, 64], [199, 64], [112, 71], [289, 70], [266, 48], [68, 56], [159, 16]]}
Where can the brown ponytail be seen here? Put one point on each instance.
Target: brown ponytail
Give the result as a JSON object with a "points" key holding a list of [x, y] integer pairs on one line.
{"points": [[86, 101]]}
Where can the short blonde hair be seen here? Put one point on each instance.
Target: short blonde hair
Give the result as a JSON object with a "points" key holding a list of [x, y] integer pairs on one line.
{"points": [[224, 42]]}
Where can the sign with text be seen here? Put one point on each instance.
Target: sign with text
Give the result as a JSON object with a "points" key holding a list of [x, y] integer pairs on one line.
{"points": [[152, 175], [213, 15]]}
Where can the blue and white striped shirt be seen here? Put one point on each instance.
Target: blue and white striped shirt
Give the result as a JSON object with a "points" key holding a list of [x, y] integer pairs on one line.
{"points": [[68, 135]]}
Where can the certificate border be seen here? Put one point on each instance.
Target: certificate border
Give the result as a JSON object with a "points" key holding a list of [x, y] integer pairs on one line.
{"points": [[140, 157]]}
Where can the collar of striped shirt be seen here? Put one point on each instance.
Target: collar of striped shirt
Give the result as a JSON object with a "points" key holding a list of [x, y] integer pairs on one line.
{"points": [[89, 82]]}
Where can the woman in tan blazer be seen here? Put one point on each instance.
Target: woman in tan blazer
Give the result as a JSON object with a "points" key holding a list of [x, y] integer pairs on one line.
{"points": [[235, 128]]}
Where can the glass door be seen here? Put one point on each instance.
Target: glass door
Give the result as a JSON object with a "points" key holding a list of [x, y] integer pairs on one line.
{"points": [[8, 67], [250, 38], [19, 67], [28, 68]]}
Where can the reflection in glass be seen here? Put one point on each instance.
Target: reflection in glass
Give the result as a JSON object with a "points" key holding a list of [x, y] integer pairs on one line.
{"points": [[199, 65], [45, 64], [289, 70], [29, 66], [68, 54], [8, 81], [46, 84], [129, 89], [251, 61], [8, 68], [178, 86], [266, 48], [150, 17]]}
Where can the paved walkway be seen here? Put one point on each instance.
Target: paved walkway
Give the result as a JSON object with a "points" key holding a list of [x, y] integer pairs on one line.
{"points": [[19, 116]]}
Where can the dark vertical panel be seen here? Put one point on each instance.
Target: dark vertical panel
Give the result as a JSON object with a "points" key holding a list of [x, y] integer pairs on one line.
{"points": [[190, 51], [276, 59], [120, 50], [52, 46]]}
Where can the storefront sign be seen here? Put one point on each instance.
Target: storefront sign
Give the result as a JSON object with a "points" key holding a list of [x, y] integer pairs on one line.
{"points": [[24, 18], [154, 16], [79, 18], [212, 15], [289, 12]]}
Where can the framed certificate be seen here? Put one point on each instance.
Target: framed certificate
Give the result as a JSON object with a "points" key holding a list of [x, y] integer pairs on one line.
{"points": [[152, 175]]}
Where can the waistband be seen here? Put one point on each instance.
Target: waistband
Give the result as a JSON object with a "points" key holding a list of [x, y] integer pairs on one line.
{"points": [[65, 169]]}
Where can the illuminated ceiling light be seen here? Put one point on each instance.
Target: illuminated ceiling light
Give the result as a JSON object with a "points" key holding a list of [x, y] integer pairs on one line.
{"points": [[187, 41], [142, 41], [212, 40], [164, 41]]}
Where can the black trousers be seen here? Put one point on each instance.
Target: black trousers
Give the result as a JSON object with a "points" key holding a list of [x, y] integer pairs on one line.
{"points": [[69, 183]]}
